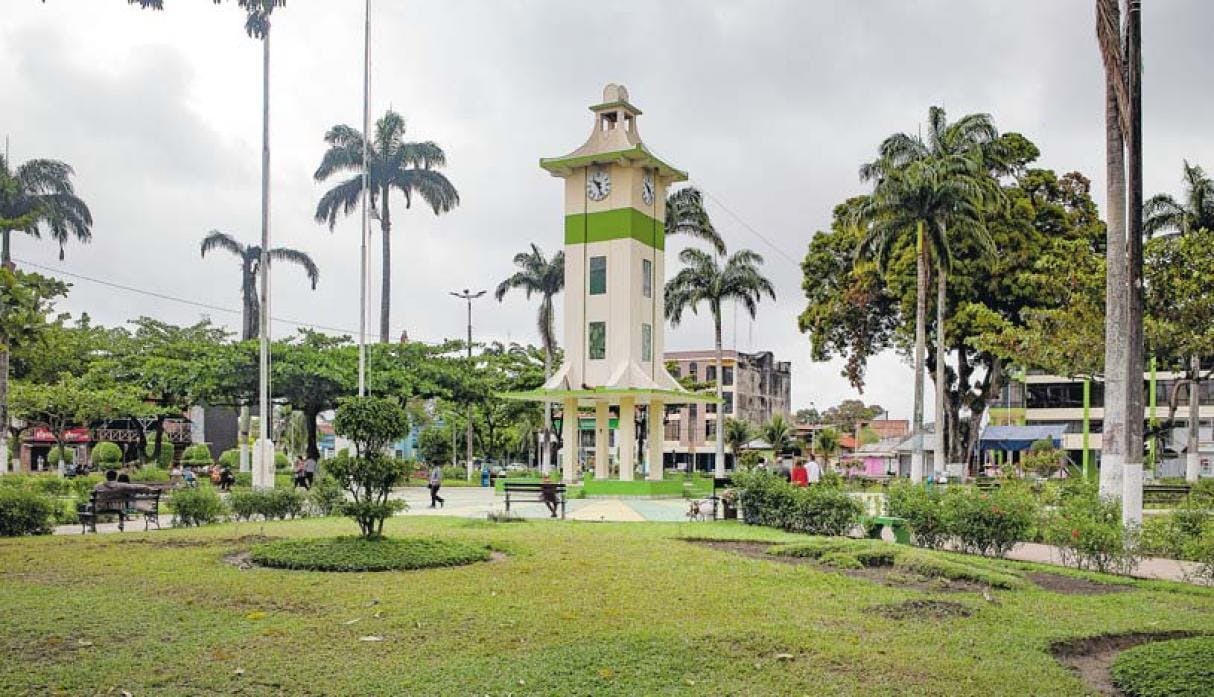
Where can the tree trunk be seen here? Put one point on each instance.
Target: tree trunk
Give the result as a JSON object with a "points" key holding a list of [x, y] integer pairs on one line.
{"points": [[6, 258], [719, 470], [1116, 355], [245, 422], [916, 474], [158, 442], [385, 297], [251, 317], [1131, 507], [938, 465], [1192, 455], [310, 420], [5, 458], [546, 448]]}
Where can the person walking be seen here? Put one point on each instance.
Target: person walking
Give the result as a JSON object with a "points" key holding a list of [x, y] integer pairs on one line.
{"points": [[310, 470], [813, 471], [435, 482]]}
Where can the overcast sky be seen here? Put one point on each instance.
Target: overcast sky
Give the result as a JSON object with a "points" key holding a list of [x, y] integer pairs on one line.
{"points": [[771, 106]]}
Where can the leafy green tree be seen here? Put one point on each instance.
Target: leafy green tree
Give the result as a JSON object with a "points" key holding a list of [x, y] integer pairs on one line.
{"points": [[311, 373], [703, 281], [685, 215], [544, 278], [395, 164], [738, 433], [1177, 270], [25, 301], [37, 197], [434, 445], [372, 424], [807, 416], [850, 413], [827, 443]]}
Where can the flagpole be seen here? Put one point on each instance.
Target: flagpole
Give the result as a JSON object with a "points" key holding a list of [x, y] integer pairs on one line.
{"points": [[362, 273]]}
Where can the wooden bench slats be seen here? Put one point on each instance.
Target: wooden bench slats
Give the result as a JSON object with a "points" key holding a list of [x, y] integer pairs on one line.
{"points": [[536, 488]]}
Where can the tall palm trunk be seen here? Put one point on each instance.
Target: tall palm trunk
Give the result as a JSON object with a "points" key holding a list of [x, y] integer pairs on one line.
{"points": [[1192, 456], [385, 297], [938, 464], [251, 320], [5, 459], [1131, 504], [719, 470], [916, 473], [1116, 354], [546, 448]]}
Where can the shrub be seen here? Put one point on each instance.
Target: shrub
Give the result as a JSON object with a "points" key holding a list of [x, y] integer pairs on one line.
{"points": [[326, 495], [1088, 532], [282, 463], [24, 512], [243, 479], [923, 509], [371, 423], [166, 453], [201, 506], [363, 554], [1173, 535], [83, 486], [766, 499], [1201, 551], [990, 523], [52, 458], [1201, 493], [150, 474], [230, 458], [269, 504], [1177, 668], [49, 484], [106, 455], [197, 455]]}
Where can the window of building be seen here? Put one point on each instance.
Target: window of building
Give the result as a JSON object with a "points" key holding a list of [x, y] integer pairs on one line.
{"points": [[727, 376], [598, 340], [710, 429], [672, 430], [710, 408], [646, 342], [728, 397], [693, 370], [598, 275], [710, 373], [647, 278]]}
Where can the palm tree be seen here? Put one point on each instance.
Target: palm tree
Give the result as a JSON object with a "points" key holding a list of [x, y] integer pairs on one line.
{"points": [[38, 197], [827, 443], [544, 278], [778, 433], [1162, 213], [702, 280], [918, 200], [250, 266], [972, 136], [685, 215], [410, 168], [737, 434]]}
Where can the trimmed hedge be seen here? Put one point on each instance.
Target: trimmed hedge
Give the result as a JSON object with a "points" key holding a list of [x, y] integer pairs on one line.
{"points": [[923, 510], [197, 455], [766, 499], [106, 455], [230, 458], [269, 504], [24, 512], [200, 506], [366, 554], [1177, 668]]}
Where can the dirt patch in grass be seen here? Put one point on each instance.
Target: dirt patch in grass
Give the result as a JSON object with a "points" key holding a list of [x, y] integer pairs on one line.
{"points": [[241, 560], [1071, 585], [885, 575], [922, 610], [1092, 657]]}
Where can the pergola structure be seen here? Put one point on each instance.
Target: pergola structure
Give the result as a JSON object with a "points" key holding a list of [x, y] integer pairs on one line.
{"points": [[615, 205]]}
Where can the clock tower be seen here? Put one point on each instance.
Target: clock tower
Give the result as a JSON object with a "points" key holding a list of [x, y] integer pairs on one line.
{"points": [[615, 205]]}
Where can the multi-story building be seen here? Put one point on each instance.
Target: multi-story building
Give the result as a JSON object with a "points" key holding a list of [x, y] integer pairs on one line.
{"points": [[1049, 400], [755, 386]]}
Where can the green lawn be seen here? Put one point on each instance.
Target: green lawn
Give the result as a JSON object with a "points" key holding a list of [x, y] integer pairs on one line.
{"points": [[574, 609]]}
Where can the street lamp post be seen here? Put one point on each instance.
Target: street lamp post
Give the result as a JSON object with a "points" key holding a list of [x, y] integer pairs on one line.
{"points": [[468, 297]]}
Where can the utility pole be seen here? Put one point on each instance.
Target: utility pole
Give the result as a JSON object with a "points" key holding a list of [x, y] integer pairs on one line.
{"points": [[468, 297]]}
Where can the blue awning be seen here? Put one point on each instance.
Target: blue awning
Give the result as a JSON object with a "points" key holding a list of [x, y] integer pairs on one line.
{"points": [[1020, 437]]}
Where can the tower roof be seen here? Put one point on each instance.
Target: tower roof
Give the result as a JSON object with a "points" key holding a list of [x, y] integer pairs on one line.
{"points": [[614, 139]]}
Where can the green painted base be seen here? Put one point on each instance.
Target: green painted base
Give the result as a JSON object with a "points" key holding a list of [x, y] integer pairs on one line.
{"points": [[637, 487]]}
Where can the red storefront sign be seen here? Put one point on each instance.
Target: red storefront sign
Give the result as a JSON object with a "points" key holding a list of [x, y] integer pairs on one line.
{"points": [[41, 434]]}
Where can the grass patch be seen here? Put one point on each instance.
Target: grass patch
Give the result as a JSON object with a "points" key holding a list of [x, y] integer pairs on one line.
{"points": [[360, 554], [610, 609], [1177, 668], [936, 566], [845, 553]]}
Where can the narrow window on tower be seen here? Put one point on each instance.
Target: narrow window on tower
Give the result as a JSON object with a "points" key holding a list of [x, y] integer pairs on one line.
{"points": [[598, 275], [647, 278], [646, 343], [598, 340]]}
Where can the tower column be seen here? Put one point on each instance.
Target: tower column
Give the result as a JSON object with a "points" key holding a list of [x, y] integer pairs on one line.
{"points": [[602, 441], [627, 437], [570, 436], [656, 434]]}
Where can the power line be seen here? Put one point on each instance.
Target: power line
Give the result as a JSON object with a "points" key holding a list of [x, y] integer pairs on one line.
{"points": [[750, 228], [173, 298]]}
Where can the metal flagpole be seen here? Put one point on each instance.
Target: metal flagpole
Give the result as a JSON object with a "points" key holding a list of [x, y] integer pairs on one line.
{"points": [[264, 444], [362, 270]]}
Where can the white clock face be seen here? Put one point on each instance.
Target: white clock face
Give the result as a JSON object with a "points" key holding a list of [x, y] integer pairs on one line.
{"points": [[598, 185], [647, 189]]}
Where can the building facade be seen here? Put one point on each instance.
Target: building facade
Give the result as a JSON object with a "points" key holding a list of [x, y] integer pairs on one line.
{"points": [[754, 386], [1038, 399]]}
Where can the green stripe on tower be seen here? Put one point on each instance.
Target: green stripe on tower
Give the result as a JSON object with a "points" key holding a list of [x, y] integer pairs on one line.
{"points": [[616, 224]]}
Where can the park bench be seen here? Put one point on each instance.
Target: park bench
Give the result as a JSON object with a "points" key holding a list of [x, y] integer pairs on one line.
{"points": [[125, 504], [873, 525], [533, 493], [1164, 493]]}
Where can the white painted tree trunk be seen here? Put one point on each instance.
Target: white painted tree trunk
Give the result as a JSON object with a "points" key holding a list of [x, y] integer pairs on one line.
{"points": [[938, 464], [916, 473], [1192, 450], [1113, 438]]}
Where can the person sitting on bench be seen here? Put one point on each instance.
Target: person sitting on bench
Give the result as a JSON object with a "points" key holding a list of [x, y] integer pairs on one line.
{"points": [[548, 494]]}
